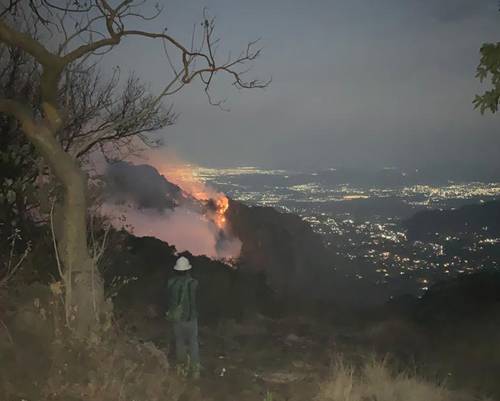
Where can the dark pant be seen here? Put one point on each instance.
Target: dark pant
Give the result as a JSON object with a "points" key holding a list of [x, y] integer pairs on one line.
{"points": [[186, 342]]}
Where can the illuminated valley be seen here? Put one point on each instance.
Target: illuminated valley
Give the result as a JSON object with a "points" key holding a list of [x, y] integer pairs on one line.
{"points": [[363, 226]]}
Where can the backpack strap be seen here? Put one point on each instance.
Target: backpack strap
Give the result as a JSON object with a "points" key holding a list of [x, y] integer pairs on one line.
{"points": [[189, 289], [180, 294]]}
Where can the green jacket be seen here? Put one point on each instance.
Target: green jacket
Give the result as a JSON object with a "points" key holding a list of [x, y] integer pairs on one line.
{"points": [[182, 298]]}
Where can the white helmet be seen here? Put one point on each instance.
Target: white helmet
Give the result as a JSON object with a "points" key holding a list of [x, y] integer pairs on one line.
{"points": [[182, 264]]}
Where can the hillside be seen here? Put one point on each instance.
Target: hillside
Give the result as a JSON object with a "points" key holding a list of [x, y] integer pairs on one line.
{"points": [[141, 184], [137, 269], [469, 219], [280, 246]]}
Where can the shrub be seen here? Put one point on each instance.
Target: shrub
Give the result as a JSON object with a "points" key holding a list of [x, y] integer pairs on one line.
{"points": [[376, 382], [45, 362], [117, 369]]}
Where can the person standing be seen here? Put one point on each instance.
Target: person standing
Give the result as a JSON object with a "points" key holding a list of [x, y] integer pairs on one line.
{"points": [[183, 314]]}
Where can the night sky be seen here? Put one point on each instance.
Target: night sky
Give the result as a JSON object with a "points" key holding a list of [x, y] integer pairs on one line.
{"points": [[356, 83]]}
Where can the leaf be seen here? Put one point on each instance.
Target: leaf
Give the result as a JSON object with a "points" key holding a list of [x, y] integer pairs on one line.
{"points": [[11, 196]]}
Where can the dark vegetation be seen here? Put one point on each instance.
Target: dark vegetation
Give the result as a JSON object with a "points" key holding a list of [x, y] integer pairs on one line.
{"points": [[82, 305], [469, 219], [273, 322], [258, 338]]}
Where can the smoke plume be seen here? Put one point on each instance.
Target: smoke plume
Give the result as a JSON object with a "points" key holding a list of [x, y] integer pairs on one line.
{"points": [[169, 202]]}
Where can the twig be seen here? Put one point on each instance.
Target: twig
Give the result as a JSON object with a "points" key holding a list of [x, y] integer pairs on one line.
{"points": [[7, 331], [56, 251], [65, 280]]}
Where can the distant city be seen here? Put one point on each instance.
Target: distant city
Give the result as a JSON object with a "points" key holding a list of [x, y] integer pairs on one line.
{"points": [[362, 225]]}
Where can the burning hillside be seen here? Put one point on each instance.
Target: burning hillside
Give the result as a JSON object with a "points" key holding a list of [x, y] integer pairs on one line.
{"points": [[206, 222], [171, 204], [181, 174]]}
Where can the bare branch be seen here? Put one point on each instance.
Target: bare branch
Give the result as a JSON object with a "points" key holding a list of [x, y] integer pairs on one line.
{"points": [[10, 8], [11, 37]]}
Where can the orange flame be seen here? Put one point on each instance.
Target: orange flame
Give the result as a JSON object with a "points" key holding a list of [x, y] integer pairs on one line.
{"points": [[222, 205], [182, 175]]}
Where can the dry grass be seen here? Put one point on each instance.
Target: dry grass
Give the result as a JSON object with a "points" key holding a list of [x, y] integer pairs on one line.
{"points": [[44, 362], [376, 382], [121, 370]]}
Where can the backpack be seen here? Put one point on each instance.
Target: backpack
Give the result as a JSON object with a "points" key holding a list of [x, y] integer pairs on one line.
{"points": [[175, 310]]}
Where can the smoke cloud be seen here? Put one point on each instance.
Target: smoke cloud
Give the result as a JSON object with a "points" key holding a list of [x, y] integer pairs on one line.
{"points": [[186, 229], [174, 207]]}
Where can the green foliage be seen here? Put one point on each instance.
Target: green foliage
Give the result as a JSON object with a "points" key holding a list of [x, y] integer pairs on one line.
{"points": [[44, 361], [489, 69], [18, 171], [18, 159]]}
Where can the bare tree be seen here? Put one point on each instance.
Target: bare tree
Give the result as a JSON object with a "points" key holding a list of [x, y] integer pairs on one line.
{"points": [[102, 116], [83, 30], [92, 104]]}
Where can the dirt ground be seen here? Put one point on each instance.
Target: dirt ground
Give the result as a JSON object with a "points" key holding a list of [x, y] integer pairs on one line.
{"points": [[252, 360], [288, 359], [259, 359]]}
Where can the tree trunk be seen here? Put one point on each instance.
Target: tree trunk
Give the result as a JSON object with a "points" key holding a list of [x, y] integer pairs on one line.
{"points": [[84, 288], [83, 284]]}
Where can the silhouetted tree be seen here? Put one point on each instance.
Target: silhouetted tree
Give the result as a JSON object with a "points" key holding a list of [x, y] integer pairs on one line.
{"points": [[80, 31], [92, 104]]}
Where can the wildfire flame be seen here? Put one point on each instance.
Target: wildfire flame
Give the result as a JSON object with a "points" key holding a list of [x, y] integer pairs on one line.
{"points": [[184, 177], [222, 205], [198, 227]]}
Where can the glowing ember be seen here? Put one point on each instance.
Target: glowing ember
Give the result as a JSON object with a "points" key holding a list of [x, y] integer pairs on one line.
{"points": [[222, 206]]}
